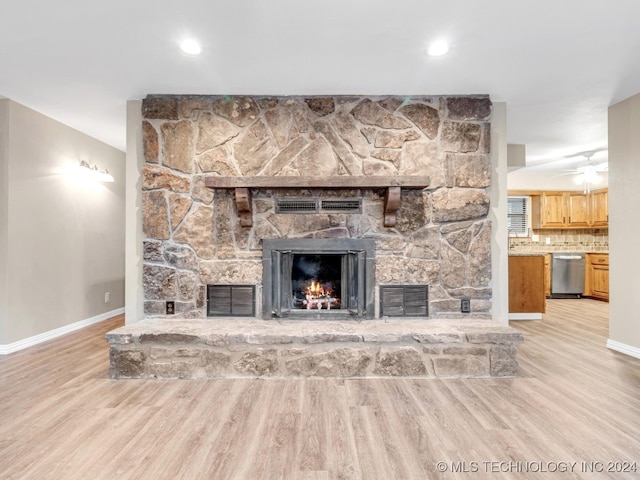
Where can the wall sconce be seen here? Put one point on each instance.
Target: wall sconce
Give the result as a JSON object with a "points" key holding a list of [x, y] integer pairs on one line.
{"points": [[93, 173]]}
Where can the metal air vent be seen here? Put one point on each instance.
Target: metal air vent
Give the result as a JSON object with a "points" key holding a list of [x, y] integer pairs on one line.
{"points": [[296, 205], [404, 300], [347, 205], [318, 205], [231, 300]]}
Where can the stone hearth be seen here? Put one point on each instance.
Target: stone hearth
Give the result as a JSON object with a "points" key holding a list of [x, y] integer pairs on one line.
{"points": [[246, 348]]}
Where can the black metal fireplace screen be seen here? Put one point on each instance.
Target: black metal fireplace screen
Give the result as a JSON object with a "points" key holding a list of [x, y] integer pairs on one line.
{"points": [[326, 278]]}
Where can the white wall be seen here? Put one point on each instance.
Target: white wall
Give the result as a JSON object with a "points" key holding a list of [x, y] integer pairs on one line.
{"points": [[527, 179], [65, 237], [498, 215], [624, 228], [134, 297], [4, 212]]}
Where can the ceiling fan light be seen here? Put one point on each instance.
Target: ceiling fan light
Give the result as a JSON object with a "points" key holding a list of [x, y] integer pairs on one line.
{"points": [[588, 178], [191, 46], [592, 176], [438, 49]]}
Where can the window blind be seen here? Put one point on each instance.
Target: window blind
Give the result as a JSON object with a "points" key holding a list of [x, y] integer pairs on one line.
{"points": [[518, 215]]}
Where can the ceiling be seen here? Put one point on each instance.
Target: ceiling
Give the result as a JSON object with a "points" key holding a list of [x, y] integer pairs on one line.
{"points": [[558, 65]]}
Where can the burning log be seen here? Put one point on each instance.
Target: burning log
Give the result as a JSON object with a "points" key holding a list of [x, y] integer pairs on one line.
{"points": [[320, 296]]}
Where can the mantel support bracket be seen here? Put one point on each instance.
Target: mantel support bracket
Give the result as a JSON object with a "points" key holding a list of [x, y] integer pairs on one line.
{"points": [[391, 205], [243, 204]]}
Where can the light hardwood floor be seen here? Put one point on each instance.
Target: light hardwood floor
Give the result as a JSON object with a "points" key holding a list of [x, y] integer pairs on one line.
{"points": [[573, 401]]}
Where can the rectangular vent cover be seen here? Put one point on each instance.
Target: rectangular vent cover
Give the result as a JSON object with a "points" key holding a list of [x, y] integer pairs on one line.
{"points": [[351, 205], [231, 300], [404, 300], [296, 205], [318, 205]]}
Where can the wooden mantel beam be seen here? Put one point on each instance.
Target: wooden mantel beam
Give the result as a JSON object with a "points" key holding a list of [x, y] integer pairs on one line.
{"points": [[345, 181], [392, 184]]}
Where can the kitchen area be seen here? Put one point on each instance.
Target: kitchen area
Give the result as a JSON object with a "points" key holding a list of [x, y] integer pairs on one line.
{"points": [[558, 248]]}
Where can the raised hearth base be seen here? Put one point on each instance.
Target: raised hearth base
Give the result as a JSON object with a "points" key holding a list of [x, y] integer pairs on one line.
{"points": [[245, 348]]}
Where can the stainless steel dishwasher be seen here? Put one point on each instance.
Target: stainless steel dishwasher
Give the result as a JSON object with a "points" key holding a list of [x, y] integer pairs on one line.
{"points": [[567, 275]]}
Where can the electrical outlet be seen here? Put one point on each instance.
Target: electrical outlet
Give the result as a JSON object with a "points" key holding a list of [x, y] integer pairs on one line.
{"points": [[547, 240], [170, 307], [107, 297], [465, 305]]}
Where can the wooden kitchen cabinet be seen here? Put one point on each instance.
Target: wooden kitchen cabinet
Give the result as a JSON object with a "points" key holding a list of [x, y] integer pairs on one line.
{"points": [[577, 210], [600, 208], [552, 209], [526, 284], [597, 276], [547, 275]]}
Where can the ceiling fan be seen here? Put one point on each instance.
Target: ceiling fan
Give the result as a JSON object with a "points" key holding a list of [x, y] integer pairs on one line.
{"points": [[588, 174]]}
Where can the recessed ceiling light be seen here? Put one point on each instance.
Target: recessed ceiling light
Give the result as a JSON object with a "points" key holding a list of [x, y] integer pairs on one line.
{"points": [[190, 46], [438, 48]]}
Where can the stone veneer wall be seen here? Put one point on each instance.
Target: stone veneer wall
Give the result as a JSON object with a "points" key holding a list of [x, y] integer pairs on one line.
{"points": [[193, 237]]}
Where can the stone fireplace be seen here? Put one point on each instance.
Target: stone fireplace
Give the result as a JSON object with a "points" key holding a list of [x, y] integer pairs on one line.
{"points": [[203, 230], [285, 219]]}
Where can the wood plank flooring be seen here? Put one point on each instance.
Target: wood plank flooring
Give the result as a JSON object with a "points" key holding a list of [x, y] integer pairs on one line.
{"points": [[574, 400]]}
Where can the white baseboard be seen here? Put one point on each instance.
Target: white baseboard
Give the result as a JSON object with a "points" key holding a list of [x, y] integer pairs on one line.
{"points": [[623, 348], [58, 332], [525, 316]]}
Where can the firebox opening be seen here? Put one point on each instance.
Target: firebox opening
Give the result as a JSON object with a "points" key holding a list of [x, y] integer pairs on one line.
{"points": [[338, 275], [316, 282]]}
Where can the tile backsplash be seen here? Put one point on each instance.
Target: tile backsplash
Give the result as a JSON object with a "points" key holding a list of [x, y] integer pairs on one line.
{"points": [[585, 240]]}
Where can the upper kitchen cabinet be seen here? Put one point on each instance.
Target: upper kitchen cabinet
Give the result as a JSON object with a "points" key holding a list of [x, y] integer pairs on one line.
{"points": [[549, 210], [600, 208], [560, 210], [578, 210]]}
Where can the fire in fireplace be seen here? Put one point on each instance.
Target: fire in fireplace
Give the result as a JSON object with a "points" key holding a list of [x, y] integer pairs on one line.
{"points": [[316, 281], [328, 277]]}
